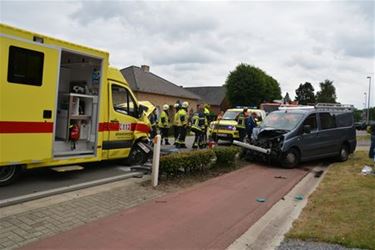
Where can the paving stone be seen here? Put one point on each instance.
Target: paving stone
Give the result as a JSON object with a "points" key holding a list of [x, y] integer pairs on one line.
{"points": [[25, 227]]}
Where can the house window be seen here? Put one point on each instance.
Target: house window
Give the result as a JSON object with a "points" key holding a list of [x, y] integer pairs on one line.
{"points": [[25, 66]]}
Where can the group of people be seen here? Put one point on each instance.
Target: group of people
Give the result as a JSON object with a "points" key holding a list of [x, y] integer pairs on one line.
{"points": [[198, 122], [246, 123]]}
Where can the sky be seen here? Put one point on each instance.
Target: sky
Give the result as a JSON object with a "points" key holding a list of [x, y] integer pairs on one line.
{"points": [[198, 43]]}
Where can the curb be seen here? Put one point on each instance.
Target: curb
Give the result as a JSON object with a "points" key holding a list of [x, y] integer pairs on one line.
{"points": [[42, 194]]}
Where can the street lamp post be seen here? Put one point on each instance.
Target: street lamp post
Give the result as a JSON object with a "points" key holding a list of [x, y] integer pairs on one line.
{"points": [[364, 114], [369, 98]]}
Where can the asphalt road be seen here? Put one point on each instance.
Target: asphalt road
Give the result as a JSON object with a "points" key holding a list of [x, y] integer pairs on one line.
{"points": [[43, 179]]}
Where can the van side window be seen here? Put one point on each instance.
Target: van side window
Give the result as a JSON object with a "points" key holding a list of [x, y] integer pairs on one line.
{"points": [[327, 121], [344, 120], [25, 66], [123, 101], [311, 120]]}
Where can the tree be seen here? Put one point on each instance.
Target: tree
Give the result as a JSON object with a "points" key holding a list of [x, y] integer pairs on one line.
{"points": [[327, 93], [305, 94], [250, 86]]}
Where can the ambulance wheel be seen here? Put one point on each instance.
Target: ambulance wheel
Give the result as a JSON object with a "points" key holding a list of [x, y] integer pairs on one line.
{"points": [[137, 156], [9, 174]]}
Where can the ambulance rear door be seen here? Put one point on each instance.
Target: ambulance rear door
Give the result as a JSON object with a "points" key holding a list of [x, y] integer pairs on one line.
{"points": [[28, 80]]}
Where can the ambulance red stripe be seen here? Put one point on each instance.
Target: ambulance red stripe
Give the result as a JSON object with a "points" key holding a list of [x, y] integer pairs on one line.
{"points": [[10, 127], [112, 126]]}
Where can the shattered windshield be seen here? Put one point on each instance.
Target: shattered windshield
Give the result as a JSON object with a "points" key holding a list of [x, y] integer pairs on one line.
{"points": [[230, 115], [282, 120]]}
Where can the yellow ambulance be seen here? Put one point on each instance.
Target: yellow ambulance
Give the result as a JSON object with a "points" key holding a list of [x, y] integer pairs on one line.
{"points": [[61, 104], [226, 128]]}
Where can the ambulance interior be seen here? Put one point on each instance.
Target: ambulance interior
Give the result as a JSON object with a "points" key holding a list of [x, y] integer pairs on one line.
{"points": [[77, 105]]}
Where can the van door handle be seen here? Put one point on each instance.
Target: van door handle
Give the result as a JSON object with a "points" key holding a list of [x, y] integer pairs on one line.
{"points": [[114, 121]]}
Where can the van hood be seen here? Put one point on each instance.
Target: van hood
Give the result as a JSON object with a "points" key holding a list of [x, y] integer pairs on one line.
{"points": [[268, 133], [225, 122], [150, 107]]}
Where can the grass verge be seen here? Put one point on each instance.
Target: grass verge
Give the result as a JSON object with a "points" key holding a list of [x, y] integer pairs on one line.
{"points": [[342, 209], [364, 137]]}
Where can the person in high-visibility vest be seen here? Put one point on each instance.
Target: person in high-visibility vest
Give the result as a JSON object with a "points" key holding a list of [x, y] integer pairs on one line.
{"points": [[198, 127], [241, 125], [182, 125], [177, 107], [164, 124], [206, 113]]}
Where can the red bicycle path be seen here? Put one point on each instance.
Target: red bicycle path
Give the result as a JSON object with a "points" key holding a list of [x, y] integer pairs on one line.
{"points": [[209, 215]]}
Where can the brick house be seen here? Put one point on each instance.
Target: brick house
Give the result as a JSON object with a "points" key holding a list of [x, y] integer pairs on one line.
{"points": [[215, 96], [153, 88]]}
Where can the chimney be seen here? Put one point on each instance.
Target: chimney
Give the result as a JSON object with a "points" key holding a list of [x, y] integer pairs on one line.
{"points": [[145, 68]]}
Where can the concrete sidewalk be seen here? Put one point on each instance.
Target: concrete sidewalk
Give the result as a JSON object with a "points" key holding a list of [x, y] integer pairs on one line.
{"points": [[209, 215]]}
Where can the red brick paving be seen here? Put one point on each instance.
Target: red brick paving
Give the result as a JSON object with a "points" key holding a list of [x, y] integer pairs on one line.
{"points": [[209, 215]]}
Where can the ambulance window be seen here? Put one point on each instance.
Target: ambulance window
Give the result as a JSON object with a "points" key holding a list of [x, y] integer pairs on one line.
{"points": [[25, 66], [123, 101]]}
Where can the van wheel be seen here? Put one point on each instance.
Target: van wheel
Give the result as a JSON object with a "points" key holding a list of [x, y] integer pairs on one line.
{"points": [[291, 158], [9, 174], [137, 156], [344, 153]]}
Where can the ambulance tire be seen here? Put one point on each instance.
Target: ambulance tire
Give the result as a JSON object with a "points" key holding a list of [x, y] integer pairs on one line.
{"points": [[9, 174], [137, 156]]}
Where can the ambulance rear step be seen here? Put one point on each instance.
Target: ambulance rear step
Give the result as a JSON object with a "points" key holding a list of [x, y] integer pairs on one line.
{"points": [[67, 168]]}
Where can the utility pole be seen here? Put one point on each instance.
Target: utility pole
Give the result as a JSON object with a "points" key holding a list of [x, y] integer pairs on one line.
{"points": [[364, 113], [368, 100]]}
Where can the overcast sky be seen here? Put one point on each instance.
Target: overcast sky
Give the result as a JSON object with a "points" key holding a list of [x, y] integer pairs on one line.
{"points": [[199, 43]]}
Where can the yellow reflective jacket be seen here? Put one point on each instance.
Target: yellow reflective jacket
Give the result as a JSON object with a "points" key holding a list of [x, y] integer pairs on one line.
{"points": [[182, 118], [163, 120], [175, 119], [241, 121]]}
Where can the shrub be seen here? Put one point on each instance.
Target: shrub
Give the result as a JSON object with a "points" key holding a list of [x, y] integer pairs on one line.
{"points": [[226, 155], [192, 161]]}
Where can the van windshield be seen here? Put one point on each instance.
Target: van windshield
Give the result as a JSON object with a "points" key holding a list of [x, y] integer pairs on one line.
{"points": [[230, 115], [282, 120]]}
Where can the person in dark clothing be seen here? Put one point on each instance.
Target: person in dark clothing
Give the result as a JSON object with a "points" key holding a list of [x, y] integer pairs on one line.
{"points": [[371, 152], [251, 124]]}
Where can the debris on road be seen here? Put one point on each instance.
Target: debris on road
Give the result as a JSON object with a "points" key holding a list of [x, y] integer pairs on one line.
{"points": [[367, 170], [318, 173], [280, 177], [261, 199], [299, 197]]}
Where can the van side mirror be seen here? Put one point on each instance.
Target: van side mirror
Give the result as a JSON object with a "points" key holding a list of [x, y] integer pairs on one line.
{"points": [[306, 129]]}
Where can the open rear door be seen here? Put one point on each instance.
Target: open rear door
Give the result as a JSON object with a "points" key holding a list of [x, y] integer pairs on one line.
{"points": [[28, 81]]}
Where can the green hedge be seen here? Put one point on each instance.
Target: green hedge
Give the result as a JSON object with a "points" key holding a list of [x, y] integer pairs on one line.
{"points": [[186, 162], [197, 160], [226, 155]]}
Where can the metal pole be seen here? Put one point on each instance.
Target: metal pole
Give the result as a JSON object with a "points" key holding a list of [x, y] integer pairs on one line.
{"points": [[364, 115], [369, 98], [155, 161]]}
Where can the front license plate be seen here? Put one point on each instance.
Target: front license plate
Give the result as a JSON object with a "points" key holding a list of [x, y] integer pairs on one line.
{"points": [[222, 135]]}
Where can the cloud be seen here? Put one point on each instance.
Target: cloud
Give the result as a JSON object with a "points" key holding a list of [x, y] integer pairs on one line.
{"points": [[199, 43]]}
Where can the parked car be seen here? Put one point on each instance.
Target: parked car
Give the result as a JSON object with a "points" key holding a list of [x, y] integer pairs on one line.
{"points": [[293, 136], [360, 125], [226, 128]]}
